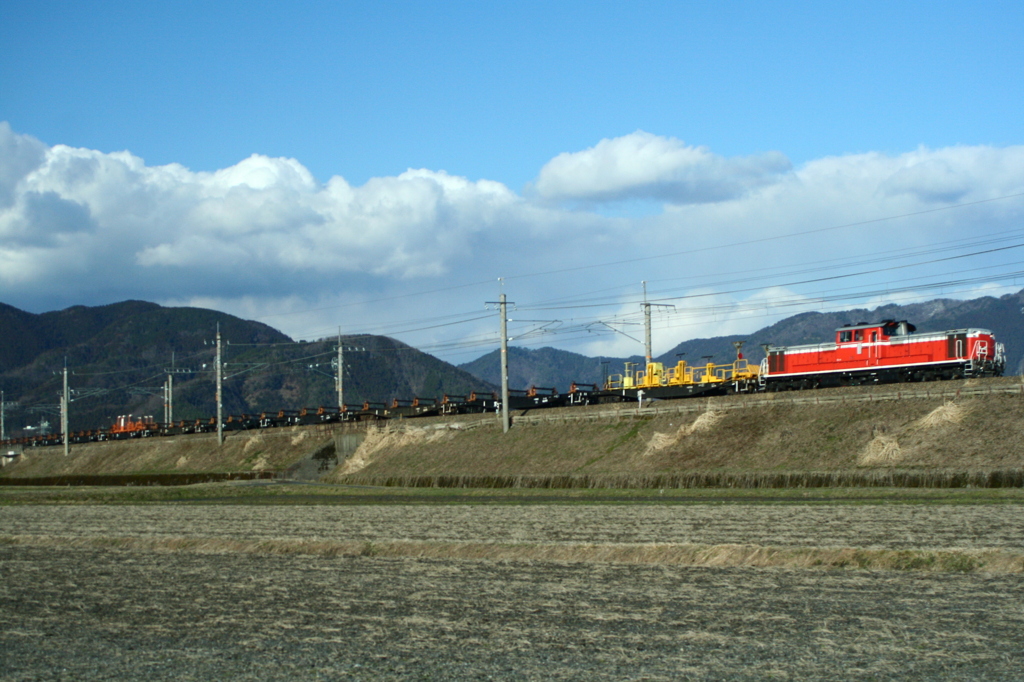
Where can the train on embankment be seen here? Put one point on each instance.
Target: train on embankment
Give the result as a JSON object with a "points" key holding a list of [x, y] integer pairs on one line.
{"points": [[865, 353]]}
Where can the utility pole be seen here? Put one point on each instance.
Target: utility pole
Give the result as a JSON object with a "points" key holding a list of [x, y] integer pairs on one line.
{"points": [[220, 402], [505, 422], [647, 325], [341, 372], [170, 392], [64, 411], [4, 406], [503, 309], [339, 366], [170, 399], [169, 387]]}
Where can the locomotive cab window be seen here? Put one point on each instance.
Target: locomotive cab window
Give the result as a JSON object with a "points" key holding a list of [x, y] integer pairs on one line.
{"points": [[845, 337], [858, 335]]}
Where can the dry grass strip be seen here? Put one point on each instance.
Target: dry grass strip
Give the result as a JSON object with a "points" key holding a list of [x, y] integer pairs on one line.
{"points": [[726, 555], [844, 478]]}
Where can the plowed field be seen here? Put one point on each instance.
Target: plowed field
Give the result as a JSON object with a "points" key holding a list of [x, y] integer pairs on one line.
{"points": [[87, 612]]}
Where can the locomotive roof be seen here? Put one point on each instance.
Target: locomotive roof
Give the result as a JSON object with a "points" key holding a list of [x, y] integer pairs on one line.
{"points": [[873, 325]]}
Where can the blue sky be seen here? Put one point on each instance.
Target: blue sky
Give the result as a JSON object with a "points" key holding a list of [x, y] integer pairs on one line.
{"points": [[495, 90], [567, 134]]}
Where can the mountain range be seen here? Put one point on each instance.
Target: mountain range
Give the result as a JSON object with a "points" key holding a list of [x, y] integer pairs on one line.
{"points": [[119, 356], [558, 368]]}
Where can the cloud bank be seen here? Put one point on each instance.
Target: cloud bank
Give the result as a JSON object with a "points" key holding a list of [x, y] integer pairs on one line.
{"points": [[79, 226], [72, 209]]}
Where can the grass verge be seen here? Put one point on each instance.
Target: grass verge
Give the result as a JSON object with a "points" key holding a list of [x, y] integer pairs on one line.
{"points": [[284, 493], [728, 555]]}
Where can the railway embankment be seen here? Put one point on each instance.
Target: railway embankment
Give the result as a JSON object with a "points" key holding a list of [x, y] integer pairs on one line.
{"points": [[954, 433], [300, 452]]}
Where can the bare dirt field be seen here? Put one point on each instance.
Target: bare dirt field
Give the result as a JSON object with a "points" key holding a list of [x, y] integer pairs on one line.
{"points": [[870, 526], [82, 596], [92, 614]]}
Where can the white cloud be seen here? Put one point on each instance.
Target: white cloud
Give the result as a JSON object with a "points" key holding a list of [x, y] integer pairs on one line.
{"points": [[257, 223], [646, 166], [956, 174], [264, 237]]}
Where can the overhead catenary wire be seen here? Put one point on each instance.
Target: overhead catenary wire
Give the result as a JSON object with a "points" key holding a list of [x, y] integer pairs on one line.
{"points": [[769, 238], [607, 264], [579, 327], [887, 254], [785, 284]]}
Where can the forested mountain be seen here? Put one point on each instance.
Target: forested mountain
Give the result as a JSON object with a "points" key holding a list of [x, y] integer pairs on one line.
{"points": [[552, 367], [120, 355]]}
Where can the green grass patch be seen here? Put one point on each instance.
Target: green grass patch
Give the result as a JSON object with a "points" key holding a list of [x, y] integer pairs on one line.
{"points": [[632, 433], [590, 461]]}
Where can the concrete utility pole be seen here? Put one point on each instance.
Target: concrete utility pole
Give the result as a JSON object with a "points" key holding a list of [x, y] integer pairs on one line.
{"points": [[64, 412], [503, 310], [339, 366], [170, 399], [169, 388], [3, 431], [341, 372], [647, 325], [220, 402], [4, 406], [505, 420]]}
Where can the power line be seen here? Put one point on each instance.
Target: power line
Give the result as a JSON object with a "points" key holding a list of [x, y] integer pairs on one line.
{"points": [[797, 283], [640, 259], [761, 240], [829, 264]]}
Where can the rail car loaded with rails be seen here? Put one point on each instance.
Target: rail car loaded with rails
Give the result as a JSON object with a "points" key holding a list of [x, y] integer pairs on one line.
{"points": [[885, 352]]}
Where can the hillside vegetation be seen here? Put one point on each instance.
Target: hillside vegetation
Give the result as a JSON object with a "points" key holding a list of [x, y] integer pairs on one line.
{"points": [[119, 357]]}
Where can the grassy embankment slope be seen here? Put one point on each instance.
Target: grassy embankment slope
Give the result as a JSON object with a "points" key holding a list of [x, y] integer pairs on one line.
{"points": [[741, 440], [264, 450]]}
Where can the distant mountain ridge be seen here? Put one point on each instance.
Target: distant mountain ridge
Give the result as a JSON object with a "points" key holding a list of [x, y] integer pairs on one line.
{"points": [[558, 368], [1001, 315], [119, 356]]}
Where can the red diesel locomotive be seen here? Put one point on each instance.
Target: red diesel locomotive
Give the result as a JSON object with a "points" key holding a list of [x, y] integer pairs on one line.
{"points": [[883, 352]]}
